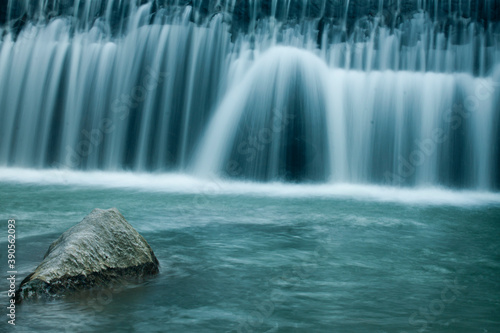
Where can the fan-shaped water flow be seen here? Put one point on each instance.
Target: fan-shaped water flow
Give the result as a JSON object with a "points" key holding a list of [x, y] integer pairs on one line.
{"points": [[293, 118], [275, 123], [403, 96]]}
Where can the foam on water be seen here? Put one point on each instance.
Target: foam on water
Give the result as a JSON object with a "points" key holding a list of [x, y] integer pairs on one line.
{"points": [[187, 184], [152, 88]]}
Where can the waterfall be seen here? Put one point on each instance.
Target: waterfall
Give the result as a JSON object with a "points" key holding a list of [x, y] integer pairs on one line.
{"points": [[292, 117], [376, 92]]}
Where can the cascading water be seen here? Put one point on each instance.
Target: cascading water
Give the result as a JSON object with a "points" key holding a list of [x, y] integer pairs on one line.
{"points": [[276, 123], [384, 92]]}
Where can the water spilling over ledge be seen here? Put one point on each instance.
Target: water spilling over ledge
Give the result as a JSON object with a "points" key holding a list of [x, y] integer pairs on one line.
{"points": [[392, 92]]}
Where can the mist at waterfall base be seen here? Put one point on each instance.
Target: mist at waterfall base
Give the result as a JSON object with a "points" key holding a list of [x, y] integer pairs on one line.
{"points": [[297, 166]]}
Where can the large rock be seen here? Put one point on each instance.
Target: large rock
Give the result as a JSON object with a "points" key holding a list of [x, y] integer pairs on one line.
{"points": [[100, 249]]}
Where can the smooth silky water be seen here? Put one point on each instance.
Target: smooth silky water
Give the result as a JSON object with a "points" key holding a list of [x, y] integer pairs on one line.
{"points": [[270, 258], [297, 166]]}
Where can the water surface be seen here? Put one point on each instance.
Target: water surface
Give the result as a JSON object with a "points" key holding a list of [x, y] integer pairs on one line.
{"points": [[258, 261]]}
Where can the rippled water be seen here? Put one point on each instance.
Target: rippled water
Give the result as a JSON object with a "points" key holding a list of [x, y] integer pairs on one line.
{"points": [[264, 261]]}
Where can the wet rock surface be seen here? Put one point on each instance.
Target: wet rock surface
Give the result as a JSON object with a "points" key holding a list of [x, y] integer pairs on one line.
{"points": [[99, 250]]}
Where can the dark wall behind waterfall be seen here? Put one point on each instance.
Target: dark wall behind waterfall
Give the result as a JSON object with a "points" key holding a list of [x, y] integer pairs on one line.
{"points": [[403, 93], [243, 12]]}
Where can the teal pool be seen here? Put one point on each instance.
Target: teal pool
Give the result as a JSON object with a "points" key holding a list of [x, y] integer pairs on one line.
{"points": [[243, 257]]}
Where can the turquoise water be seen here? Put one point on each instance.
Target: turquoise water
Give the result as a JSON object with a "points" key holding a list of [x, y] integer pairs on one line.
{"points": [[268, 258]]}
